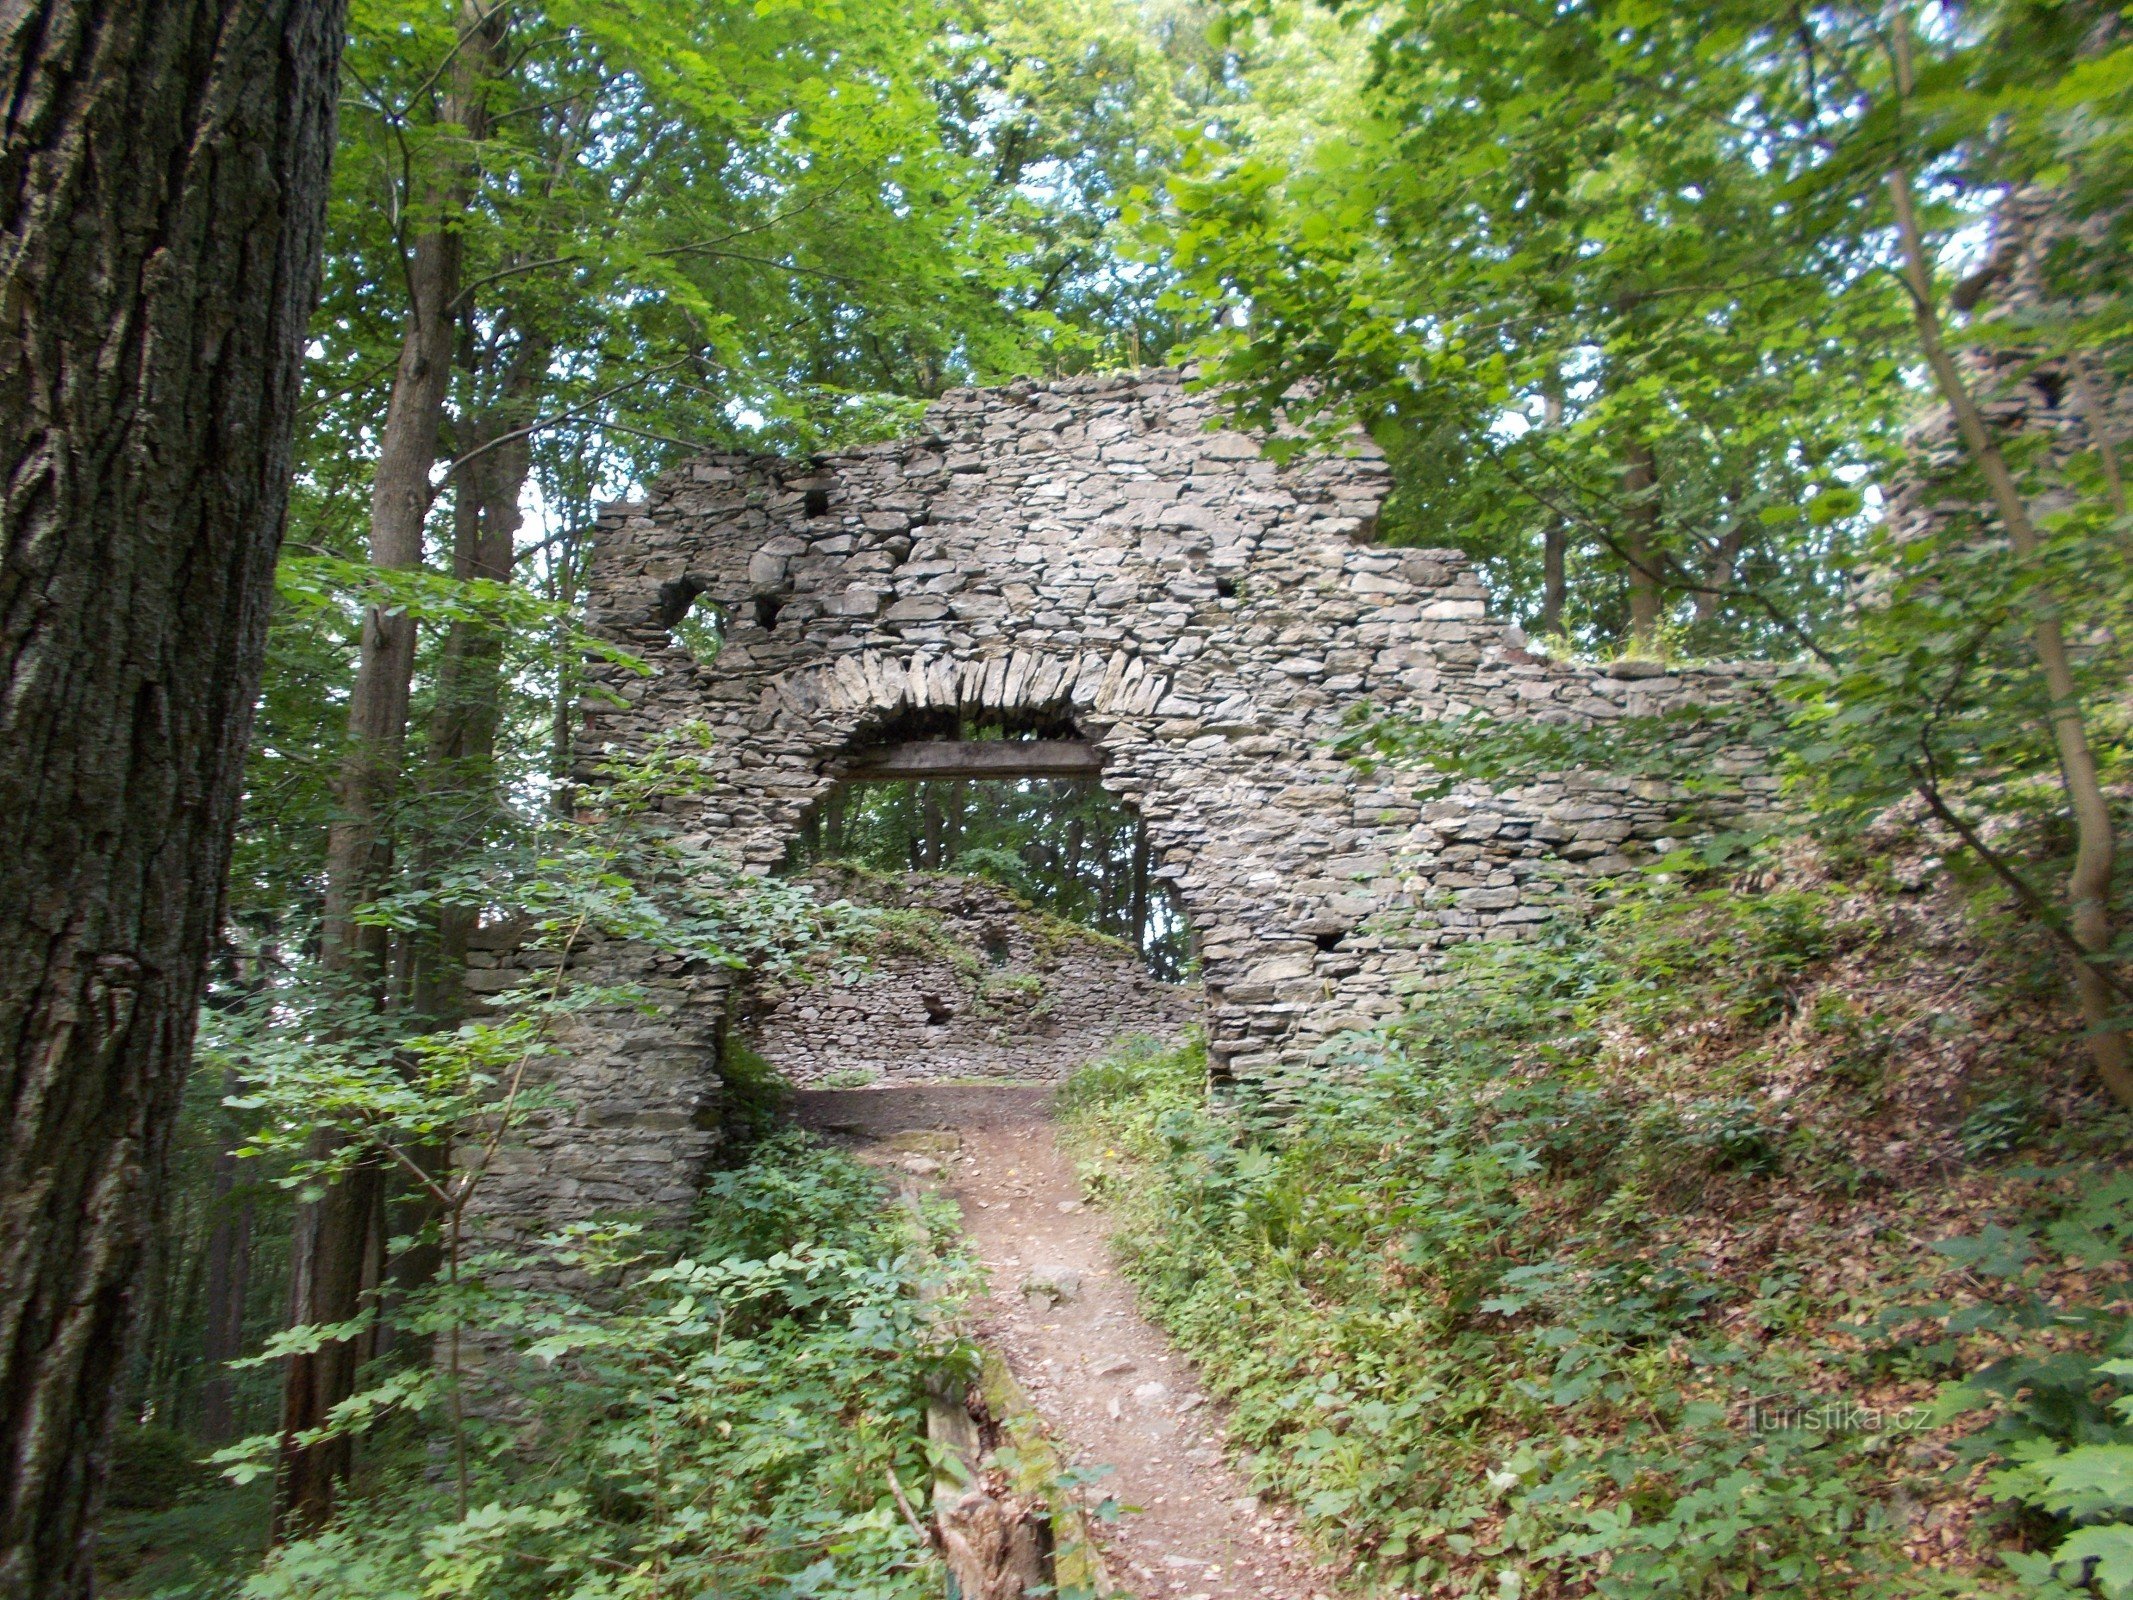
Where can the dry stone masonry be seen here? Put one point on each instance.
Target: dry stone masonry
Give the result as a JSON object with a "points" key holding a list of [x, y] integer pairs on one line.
{"points": [[1092, 558]]}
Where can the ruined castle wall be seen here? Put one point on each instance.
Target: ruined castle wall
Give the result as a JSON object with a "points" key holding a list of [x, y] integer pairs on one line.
{"points": [[624, 1114], [1092, 552]]}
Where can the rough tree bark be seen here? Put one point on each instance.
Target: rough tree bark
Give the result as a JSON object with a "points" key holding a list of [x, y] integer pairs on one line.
{"points": [[330, 1254], [162, 186]]}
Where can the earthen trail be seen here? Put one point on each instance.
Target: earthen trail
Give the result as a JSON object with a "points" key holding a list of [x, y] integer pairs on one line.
{"points": [[1111, 1389]]}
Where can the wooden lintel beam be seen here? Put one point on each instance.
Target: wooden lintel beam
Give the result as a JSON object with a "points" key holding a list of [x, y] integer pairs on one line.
{"points": [[977, 758]]}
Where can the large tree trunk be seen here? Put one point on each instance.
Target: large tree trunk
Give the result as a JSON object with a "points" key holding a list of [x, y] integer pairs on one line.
{"points": [[330, 1258], [162, 187]]}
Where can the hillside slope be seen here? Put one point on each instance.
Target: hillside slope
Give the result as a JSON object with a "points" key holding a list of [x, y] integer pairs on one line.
{"points": [[1731, 1239]]}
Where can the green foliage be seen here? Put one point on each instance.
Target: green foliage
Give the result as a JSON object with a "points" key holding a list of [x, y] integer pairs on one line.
{"points": [[331, 1081], [1544, 249], [2055, 1416], [1451, 1291], [753, 1099], [1541, 241], [725, 1422], [1013, 994]]}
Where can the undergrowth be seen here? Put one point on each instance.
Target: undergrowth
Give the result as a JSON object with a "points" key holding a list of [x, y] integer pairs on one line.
{"points": [[727, 1422], [1749, 1239]]}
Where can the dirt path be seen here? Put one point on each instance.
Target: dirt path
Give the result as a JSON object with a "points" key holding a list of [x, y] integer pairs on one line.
{"points": [[1109, 1386]]}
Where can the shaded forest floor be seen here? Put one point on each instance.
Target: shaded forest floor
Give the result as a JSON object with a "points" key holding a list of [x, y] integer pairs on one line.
{"points": [[1751, 1233]]}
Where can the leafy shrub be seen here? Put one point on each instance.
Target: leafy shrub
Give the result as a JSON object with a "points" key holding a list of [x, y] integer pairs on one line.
{"points": [[1734, 1136], [730, 1425], [2001, 1125], [752, 1094]]}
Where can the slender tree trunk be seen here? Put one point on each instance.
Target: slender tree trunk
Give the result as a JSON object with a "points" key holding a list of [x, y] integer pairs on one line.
{"points": [[1640, 545], [2096, 422], [563, 709], [957, 820], [1140, 889], [326, 1261], [460, 777], [833, 821], [1555, 542], [162, 190], [359, 845], [330, 1251], [462, 802], [2088, 889], [1724, 561], [930, 850], [228, 1278], [1555, 537]]}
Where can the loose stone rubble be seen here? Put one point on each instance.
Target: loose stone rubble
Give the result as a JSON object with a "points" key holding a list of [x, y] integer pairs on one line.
{"points": [[969, 983], [1090, 558]]}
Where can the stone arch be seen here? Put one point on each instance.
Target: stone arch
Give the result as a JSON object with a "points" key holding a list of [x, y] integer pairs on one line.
{"points": [[1207, 617], [852, 705], [1064, 699]]}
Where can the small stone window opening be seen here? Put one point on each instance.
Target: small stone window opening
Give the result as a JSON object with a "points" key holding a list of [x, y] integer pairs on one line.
{"points": [[1330, 941], [1226, 588], [696, 626], [816, 503], [766, 612], [997, 950]]}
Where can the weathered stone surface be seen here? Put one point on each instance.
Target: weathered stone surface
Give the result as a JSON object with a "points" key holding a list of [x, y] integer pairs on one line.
{"points": [[1091, 560]]}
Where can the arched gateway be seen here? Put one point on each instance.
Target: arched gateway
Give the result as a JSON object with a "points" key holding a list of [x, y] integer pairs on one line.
{"points": [[1170, 612]]}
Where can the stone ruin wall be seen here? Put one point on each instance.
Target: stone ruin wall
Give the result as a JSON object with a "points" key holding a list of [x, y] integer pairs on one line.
{"points": [[1093, 553], [2024, 392], [635, 1118], [1022, 998]]}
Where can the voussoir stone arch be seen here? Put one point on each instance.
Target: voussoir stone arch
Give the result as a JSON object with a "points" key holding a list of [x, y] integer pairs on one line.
{"points": [[1099, 552]]}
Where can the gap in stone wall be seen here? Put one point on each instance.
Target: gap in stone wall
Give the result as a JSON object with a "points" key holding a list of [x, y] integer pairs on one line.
{"points": [[1022, 934], [1067, 846]]}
